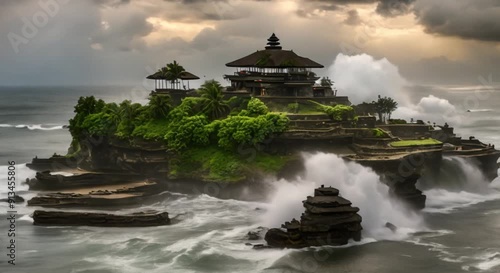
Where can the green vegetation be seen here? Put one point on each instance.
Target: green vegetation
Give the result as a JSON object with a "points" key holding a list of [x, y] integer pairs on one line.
{"points": [[214, 105], [187, 129], [214, 164], [377, 132], [416, 142], [238, 130], [384, 107], [154, 129], [255, 108], [293, 107], [338, 112], [172, 72]]}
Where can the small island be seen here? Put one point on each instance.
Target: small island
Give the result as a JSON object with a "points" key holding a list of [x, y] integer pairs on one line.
{"points": [[225, 141]]}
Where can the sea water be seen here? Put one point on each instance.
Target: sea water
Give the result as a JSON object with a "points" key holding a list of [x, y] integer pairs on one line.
{"points": [[456, 232]]}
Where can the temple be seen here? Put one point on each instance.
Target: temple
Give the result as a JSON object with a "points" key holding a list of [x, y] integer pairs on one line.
{"points": [[276, 72], [274, 75]]}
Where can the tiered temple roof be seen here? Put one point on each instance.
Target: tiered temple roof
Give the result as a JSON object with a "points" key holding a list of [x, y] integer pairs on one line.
{"points": [[274, 57]]}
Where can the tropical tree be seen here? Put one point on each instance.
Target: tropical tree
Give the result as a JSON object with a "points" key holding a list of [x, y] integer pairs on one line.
{"points": [[85, 107], [113, 110], [384, 107], [174, 73], [129, 117], [159, 106], [164, 72], [212, 99]]}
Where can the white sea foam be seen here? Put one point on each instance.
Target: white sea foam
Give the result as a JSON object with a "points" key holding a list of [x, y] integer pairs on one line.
{"points": [[479, 110], [381, 77], [22, 172], [63, 173], [27, 218], [485, 262], [489, 260], [31, 127], [358, 184], [468, 187]]}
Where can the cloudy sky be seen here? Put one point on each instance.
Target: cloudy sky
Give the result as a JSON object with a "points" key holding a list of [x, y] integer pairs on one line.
{"points": [[81, 42]]}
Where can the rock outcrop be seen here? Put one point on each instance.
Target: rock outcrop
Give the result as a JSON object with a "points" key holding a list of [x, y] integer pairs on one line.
{"points": [[329, 219], [54, 163], [67, 218], [47, 181], [134, 193]]}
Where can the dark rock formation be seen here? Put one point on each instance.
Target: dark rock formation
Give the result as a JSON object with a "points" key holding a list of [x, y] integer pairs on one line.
{"points": [[66, 218], [55, 163], [400, 171], [391, 226], [47, 181], [329, 219], [257, 234], [16, 199], [134, 193], [408, 192]]}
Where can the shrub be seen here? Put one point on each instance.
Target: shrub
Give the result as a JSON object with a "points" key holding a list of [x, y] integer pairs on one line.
{"points": [[152, 130], [256, 107], [377, 132], [293, 107], [190, 131], [99, 124], [338, 112], [236, 130]]}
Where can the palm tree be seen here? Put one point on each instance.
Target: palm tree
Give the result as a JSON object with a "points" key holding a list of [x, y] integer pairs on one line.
{"points": [[214, 105], [174, 72], [113, 110], [384, 107], [163, 73], [159, 106]]}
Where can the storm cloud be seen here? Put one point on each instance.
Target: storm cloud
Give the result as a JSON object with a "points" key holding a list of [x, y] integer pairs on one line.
{"points": [[468, 19], [122, 41]]}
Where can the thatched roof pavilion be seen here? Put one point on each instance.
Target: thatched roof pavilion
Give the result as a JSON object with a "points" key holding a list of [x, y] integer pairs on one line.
{"points": [[185, 76], [161, 79]]}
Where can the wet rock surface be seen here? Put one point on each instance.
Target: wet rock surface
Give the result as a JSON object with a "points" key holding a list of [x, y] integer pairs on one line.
{"points": [[407, 191], [67, 218], [329, 219], [126, 194], [47, 181], [54, 163], [257, 234]]}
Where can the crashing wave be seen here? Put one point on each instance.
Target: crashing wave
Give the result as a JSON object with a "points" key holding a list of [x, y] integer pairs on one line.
{"points": [[32, 127]]}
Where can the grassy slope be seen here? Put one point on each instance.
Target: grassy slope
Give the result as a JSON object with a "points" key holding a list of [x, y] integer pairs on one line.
{"points": [[214, 164], [407, 143]]}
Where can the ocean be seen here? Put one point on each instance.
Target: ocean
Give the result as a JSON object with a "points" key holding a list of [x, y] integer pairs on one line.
{"points": [[457, 232]]}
